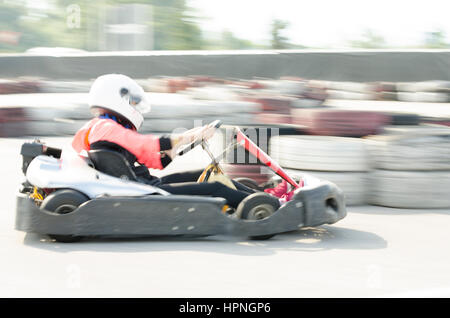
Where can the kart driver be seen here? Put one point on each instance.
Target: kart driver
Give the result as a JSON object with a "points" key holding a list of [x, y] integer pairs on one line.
{"points": [[118, 104]]}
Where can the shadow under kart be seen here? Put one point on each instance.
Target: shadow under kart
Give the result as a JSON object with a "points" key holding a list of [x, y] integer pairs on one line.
{"points": [[69, 198]]}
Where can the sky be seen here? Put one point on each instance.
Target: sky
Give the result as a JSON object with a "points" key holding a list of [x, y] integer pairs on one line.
{"points": [[327, 23]]}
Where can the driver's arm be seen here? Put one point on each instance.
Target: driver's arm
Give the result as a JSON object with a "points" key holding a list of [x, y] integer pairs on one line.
{"points": [[152, 151], [178, 140]]}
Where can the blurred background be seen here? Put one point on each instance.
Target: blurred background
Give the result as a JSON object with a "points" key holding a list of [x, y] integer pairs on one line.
{"points": [[111, 25], [353, 92]]}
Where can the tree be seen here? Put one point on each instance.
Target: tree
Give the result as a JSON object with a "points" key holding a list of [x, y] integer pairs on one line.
{"points": [[228, 41], [436, 39], [278, 41], [370, 40], [14, 20]]}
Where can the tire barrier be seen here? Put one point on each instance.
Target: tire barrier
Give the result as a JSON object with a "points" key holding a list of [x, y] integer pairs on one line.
{"points": [[392, 96], [274, 96], [273, 104], [12, 114], [256, 172], [414, 130], [335, 122], [13, 121], [411, 167], [436, 121], [306, 103], [427, 86], [14, 129], [181, 106], [166, 85], [410, 189], [363, 88], [420, 149], [64, 87], [169, 112], [387, 87], [269, 118], [57, 127], [285, 86], [428, 91], [332, 94], [425, 97], [404, 119], [210, 88], [354, 184], [217, 93], [19, 86], [65, 112], [320, 153], [162, 125], [31, 126], [341, 160]]}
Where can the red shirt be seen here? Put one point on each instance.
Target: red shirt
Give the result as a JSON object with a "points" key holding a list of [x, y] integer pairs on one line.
{"points": [[146, 148]]}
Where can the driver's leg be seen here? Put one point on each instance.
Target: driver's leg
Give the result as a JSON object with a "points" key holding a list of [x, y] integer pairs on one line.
{"points": [[188, 176], [192, 176], [243, 187], [213, 189]]}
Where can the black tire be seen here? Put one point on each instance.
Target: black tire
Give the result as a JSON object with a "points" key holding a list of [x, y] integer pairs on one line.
{"points": [[63, 202], [404, 119], [258, 206], [248, 182]]}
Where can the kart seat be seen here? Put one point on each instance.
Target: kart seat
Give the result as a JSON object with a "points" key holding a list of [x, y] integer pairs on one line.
{"points": [[112, 163]]}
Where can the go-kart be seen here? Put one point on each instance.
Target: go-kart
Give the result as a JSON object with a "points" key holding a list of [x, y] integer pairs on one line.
{"points": [[69, 196]]}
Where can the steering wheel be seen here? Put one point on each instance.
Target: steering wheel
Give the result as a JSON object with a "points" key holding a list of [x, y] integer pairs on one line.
{"points": [[195, 143]]}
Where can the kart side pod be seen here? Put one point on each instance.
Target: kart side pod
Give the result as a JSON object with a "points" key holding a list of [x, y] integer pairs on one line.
{"points": [[179, 215]]}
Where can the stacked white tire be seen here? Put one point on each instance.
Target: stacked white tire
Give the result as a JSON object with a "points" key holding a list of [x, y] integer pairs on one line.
{"points": [[354, 184], [428, 91], [410, 189], [411, 168], [340, 160]]}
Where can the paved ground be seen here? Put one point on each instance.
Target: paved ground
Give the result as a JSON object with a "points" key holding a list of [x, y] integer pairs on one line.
{"points": [[373, 252]]}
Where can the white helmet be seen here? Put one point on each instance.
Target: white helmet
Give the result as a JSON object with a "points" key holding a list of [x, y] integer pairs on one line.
{"points": [[120, 95]]}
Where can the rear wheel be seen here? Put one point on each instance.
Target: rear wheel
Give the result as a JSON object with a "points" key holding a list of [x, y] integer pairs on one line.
{"points": [[258, 206], [63, 202]]}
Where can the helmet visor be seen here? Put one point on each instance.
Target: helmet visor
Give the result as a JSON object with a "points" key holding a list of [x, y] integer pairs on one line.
{"points": [[140, 102]]}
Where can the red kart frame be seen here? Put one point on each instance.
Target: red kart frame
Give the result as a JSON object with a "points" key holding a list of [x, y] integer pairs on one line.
{"points": [[251, 147]]}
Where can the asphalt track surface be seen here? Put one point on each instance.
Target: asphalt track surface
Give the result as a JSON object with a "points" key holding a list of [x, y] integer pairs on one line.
{"points": [[373, 252]]}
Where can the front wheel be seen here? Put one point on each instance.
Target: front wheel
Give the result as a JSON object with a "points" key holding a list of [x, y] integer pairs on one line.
{"points": [[63, 202], [258, 206]]}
